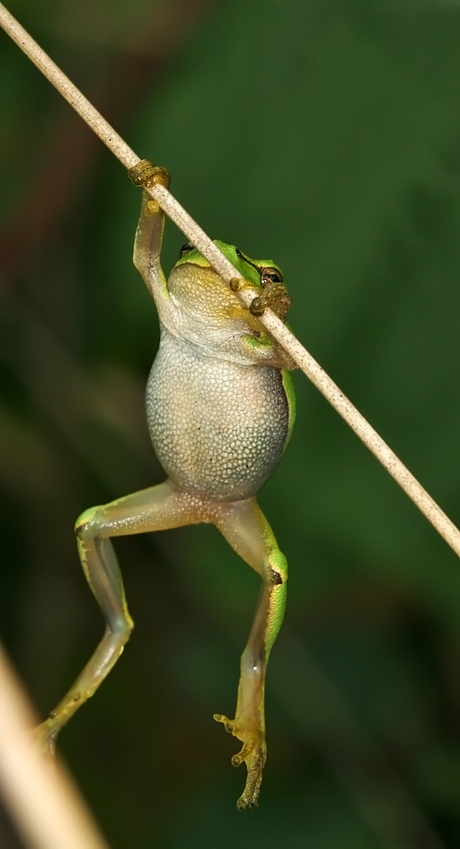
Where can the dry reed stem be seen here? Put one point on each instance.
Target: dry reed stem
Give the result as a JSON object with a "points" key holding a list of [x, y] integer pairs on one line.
{"points": [[43, 801], [274, 326]]}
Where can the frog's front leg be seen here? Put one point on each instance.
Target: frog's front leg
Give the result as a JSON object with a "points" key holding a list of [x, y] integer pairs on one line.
{"points": [[157, 508], [147, 247], [248, 532]]}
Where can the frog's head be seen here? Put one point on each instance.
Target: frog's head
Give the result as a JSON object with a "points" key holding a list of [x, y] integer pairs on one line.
{"points": [[256, 271], [197, 287]]}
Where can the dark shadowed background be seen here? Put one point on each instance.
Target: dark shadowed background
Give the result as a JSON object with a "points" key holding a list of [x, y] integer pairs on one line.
{"points": [[324, 134]]}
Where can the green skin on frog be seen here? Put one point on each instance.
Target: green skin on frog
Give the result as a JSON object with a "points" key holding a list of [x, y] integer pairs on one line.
{"points": [[220, 410]]}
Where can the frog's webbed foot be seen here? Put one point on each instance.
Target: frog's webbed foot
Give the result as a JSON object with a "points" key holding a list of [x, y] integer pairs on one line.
{"points": [[253, 753]]}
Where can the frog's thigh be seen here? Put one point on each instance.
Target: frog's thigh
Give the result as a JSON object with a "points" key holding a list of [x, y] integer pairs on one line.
{"points": [[246, 529], [154, 509]]}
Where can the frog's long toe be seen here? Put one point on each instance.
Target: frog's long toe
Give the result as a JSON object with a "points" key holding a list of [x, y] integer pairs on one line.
{"points": [[253, 753], [254, 757]]}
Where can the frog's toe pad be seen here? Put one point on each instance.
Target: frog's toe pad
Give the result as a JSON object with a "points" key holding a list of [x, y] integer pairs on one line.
{"points": [[229, 724], [242, 756]]}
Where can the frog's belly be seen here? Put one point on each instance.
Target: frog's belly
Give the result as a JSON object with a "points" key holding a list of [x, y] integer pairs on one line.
{"points": [[217, 427]]}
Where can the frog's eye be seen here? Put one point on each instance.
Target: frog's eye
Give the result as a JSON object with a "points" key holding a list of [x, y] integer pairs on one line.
{"points": [[270, 275], [185, 249]]}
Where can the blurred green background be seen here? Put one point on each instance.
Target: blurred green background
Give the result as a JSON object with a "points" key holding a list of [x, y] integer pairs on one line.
{"points": [[324, 134]]}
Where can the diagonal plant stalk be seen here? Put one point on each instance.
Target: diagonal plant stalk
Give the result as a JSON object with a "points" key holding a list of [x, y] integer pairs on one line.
{"points": [[271, 322], [44, 802]]}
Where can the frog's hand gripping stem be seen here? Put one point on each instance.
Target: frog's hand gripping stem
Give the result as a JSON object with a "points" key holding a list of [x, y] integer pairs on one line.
{"points": [[149, 238]]}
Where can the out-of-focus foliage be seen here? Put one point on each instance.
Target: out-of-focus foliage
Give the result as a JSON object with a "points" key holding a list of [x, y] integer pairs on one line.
{"points": [[325, 134]]}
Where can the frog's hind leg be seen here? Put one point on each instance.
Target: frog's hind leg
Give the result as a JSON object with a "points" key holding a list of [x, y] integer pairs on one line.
{"points": [[248, 532], [153, 509]]}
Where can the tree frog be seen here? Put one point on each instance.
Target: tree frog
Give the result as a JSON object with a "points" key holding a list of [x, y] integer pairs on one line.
{"points": [[220, 410]]}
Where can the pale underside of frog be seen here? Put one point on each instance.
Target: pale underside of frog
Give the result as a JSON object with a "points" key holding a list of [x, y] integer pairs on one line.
{"points": [[220, 410]]}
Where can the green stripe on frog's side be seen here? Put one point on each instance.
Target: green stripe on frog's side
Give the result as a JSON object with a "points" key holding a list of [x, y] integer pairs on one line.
{"points": [[289, 389]]}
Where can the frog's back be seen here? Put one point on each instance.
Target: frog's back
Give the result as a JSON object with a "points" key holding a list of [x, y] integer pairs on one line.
{"points": [[218, 427]]}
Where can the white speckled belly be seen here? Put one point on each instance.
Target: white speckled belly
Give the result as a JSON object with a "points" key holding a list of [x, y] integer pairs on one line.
{"points": [[217, 427]]}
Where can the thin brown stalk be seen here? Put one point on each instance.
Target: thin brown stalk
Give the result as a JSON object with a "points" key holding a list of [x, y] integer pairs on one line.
{"points": [[43, 801]]}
